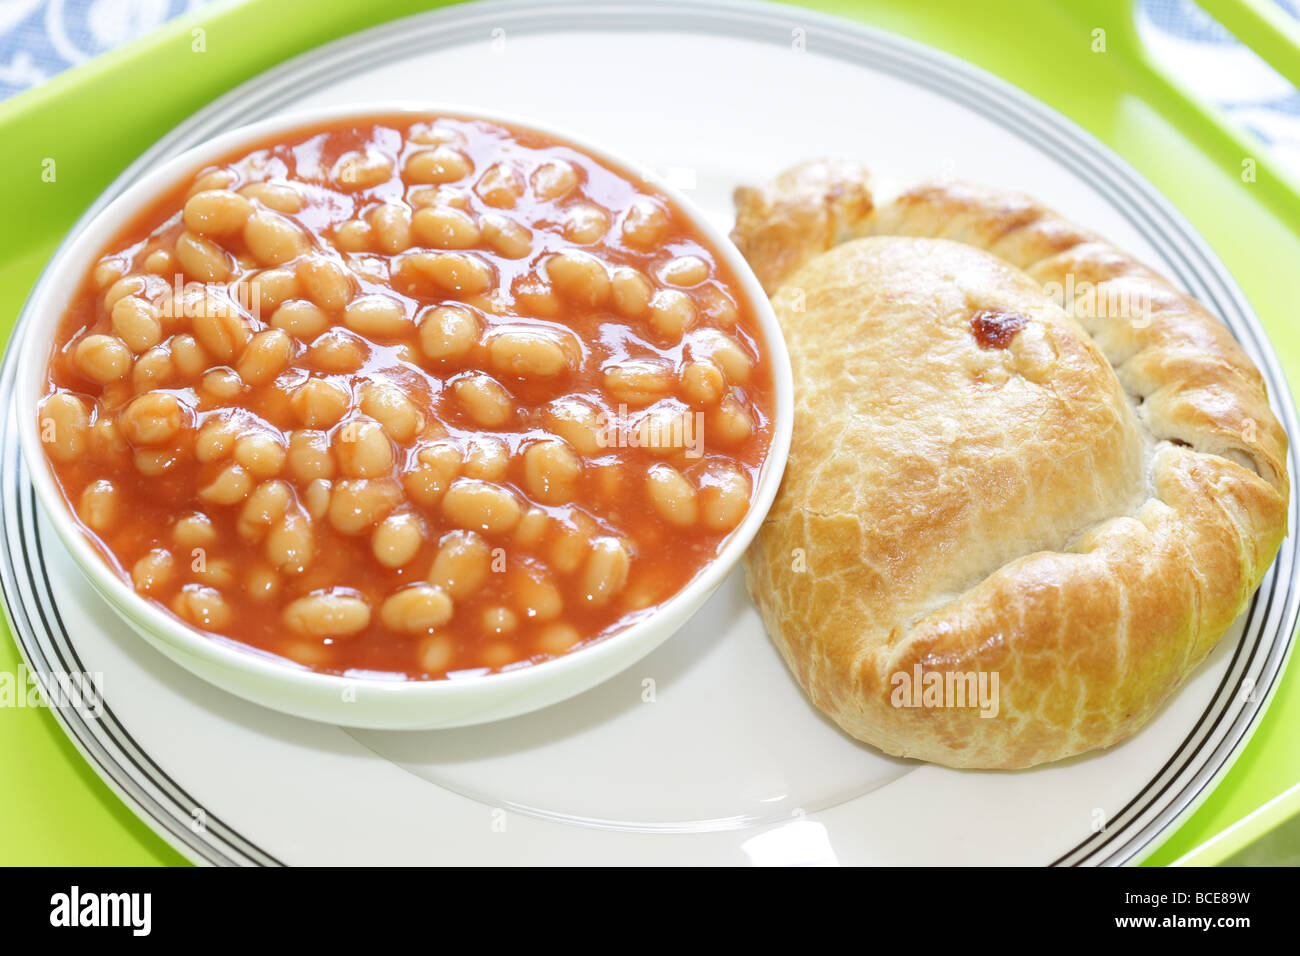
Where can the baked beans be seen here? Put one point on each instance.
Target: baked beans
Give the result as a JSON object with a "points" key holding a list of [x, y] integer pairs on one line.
{"points": [[430, 398]]}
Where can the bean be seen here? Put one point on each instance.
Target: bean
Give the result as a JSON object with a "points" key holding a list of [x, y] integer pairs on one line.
{"points": [[726, 353], [605, 571], [216, 439], [461, 273], [360, 503], [339, 351], [586, 223], [98, 505], [153, 462], [397, 539], [532, 528], [644, 225], [221, 385], [534, 297], [441, 165], [557, 638], [326, 283], [154, 418], [262, 583], [536, 596], [273, 288], [65, 424], [363, 450], [486, 457], [109, 270], [730, 423], [632, 292], [716, 306], [309, 455], [217, 573], [667, 429], [194, 530], [317, 498], [671, 313], [203, 606], [672, 496], [506, 237], [436, 465], [202, 259], [554, 180], [377, 315], [362, 170], [188, 355], [436, 653], [444, 227], [461, 565], [398, 415], [267, 355], [275, 196], [578, 423], [416, 609], [701, 383], [390, 227], [484, 400], [123, 287], [272, 239], [638, 383], [137, 323], [106, 441], [724, 500], [223, 333], [229, 487], [579, 277], [318, 403], [500, 186], [212, 179], [102, 358], [153, 369], [551, 471], [498, 620], [448, 332], [290, 545], [481, 506], [355, 235], [684, 271], [327, 612], [302, 319], [570, 543], [216, 213], [267, 503], [527, 354], [160, 262]]}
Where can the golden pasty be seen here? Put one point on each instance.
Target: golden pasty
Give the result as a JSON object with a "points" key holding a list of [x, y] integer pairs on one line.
{"points": [[1031, 483]]}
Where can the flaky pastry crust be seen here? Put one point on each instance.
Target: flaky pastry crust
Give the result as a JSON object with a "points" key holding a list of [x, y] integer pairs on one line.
{"points": [[1017, 452]]}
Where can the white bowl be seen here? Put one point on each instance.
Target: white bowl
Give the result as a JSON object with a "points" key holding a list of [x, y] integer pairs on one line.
{"points": [[370, 701]]}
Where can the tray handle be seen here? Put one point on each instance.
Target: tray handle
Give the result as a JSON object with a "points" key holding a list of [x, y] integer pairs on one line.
{"points": [[1265, 28], [1274, 37]]}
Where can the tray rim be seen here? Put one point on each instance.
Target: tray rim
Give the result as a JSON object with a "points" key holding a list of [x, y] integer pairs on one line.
{"points": [[494, 11]]}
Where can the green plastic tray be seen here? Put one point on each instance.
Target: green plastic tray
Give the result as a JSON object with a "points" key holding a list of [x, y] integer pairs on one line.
{"points": [[94, 120]]}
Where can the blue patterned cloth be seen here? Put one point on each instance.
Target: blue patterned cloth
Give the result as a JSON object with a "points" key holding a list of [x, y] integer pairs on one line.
{"points": [[39, 38], [1218, 68]]}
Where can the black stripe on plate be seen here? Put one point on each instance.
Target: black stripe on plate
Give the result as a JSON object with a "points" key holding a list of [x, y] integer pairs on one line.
{"points": [[166, 810], [953, 79]]}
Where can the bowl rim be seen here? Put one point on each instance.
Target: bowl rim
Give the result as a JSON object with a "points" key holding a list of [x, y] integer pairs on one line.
{"points": [[48, 301]]}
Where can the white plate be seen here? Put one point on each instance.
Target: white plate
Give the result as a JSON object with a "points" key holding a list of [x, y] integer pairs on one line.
{"points": [[705, 752]]}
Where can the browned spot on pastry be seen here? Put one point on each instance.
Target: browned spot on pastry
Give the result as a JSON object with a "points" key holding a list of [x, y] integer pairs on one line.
{"points": [[994, 329]]}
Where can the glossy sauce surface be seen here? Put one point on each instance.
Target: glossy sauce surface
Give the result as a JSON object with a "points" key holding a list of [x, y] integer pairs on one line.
{"points": [[425, 397]]}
